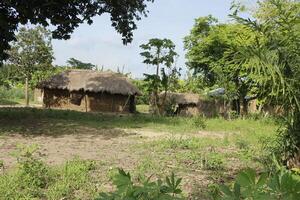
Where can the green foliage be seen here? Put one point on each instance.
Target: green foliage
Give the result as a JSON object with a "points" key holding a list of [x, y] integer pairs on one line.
{"points": [[160, 52], [31, 53], [213, 161], [209, 53], [33, 179], [282, 184], [77, 64], [73, 176], [64, 16], [142, 85], [15, 93], [192, 84], [273, 59], [147, 189], [29, 180], [199, 122]]}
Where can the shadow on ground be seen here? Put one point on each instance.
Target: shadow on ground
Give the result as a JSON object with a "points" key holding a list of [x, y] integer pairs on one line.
{"points": [[33, 121]]}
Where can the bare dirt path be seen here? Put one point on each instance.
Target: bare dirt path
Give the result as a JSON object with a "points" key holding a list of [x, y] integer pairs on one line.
{"points": [[104, 144]]}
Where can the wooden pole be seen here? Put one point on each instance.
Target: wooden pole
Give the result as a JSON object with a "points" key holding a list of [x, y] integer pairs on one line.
{"points": [[26, 93], [85, 102]]}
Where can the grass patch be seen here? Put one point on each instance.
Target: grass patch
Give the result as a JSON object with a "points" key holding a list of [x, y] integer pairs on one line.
{"points": [[33, 179], [16, 119], [202, 155]]}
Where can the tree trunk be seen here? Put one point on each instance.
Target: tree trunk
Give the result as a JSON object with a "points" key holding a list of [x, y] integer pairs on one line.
{"points": [[245, 106], [155, 93], [26, 92]]}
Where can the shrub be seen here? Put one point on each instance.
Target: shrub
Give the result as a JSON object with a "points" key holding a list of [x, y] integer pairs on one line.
{"points": [[30, 178], [73, 176], [199, 122], [213, 161], [159, 190], [33, 179], [242, 144], [233, 114], [282, 184]]}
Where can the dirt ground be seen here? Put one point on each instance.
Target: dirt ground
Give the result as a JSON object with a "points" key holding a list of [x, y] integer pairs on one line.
{"points": [[103, 144], [110, 146]]}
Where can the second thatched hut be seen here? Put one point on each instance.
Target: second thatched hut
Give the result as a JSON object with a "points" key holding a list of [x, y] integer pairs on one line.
{"points": [[189, 104]]}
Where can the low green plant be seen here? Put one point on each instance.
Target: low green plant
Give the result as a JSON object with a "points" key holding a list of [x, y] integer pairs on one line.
{"points": [[213, 161], [146, 189], [33, 179], [233, 114], [242, 144], [29, 180], [71, 177], [199, 122], [182, 143], [281, 185]]}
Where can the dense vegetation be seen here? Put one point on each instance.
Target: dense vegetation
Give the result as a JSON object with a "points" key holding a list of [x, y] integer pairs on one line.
{"points": [[253, 58]]}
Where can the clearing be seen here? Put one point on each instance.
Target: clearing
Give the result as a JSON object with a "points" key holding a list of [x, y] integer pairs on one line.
{"points": [[201, 151]]}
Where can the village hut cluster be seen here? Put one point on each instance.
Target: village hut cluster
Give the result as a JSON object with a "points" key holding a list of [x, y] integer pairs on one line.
{"points": [[89, 91], [95, 91]]}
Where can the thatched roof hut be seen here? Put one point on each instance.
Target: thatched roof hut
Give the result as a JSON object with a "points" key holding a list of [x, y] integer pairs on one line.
{"points": [[185, 103], [181, 98], [189, 104], [91, 81], [88, 90]]}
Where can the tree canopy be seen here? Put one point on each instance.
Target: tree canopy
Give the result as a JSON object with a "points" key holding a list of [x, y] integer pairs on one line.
{"points": [[211, 48], [159, 53], [31, 52], [77, 64], [66, 15], [274, 60]]}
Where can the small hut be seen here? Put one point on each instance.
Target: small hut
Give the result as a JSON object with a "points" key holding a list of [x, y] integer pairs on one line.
{"points": [[186, 103], [89, 91], [189, 104]]}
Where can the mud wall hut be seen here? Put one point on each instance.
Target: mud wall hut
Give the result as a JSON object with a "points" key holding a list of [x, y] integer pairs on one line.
{"points": [[89, 91], [189, 104], [185, 103]]}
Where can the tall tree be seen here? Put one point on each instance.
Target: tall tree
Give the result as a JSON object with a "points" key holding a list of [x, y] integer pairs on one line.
{"points": [[161, 54], [77, 64], [274, 58], [66, 15], [30, 53], [210, 50]]}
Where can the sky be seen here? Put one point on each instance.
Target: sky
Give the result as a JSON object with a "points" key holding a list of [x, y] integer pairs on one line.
{"points": [[100, 44]]}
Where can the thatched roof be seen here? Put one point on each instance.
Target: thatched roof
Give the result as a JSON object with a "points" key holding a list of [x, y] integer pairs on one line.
{"points": [[181, 98], [92, 81]]}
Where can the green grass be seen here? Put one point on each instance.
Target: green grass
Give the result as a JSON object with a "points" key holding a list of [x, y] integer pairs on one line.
{"points": [[21, 119], [202, 151], [33, 179]]}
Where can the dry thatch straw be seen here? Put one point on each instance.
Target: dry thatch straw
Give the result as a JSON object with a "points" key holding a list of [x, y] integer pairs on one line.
{"points": [[92, 81], [181, 98]]}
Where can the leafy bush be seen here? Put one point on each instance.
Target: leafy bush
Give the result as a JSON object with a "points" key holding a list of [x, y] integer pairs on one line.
{"points": [[199, 122], [33, 179], [242, 144], [143, 87], [282, 184], [147, 189], [29, 180], [213, 161], [12, 93], [233, 114], [72, 177]]}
